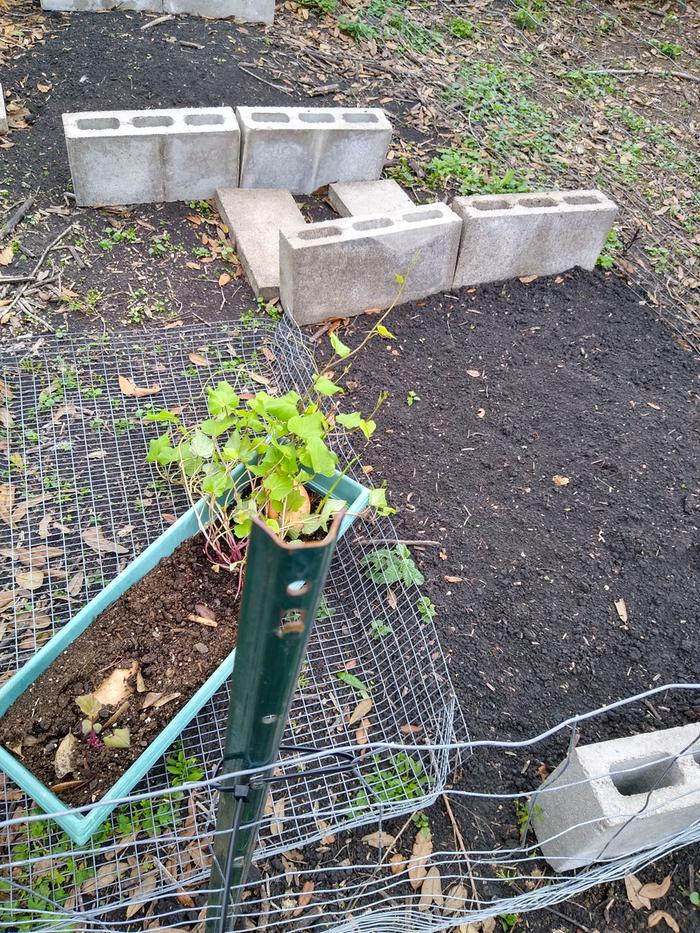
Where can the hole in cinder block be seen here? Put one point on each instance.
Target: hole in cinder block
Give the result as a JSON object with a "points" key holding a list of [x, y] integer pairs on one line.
{"points": [[493, 204], [538, 202], [98, 123], [642, 775], [417, 216], [320, 233], [375, 224], [360, 118], [317, 118], [152, 120], [204, 119], [276, 117], [581, 199]]}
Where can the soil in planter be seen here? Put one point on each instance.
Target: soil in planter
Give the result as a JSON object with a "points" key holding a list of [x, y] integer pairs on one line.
{"points": [[149, 626]]}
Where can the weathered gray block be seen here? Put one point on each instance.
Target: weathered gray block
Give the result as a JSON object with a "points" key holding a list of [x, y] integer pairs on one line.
{"points": [[357, 198], [591, 821], [255, 217], [302, 149], [342, 267], [4, 128], [254, 11], [140, 156], [509, 235]]}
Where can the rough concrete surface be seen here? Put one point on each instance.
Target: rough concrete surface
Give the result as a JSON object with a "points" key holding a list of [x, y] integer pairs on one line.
{"points": [[619, 797], [4, 128], [302, 149], [342, 267], [357, 198], [509, 235], [140, 156], [254, 11], [254, 217]]}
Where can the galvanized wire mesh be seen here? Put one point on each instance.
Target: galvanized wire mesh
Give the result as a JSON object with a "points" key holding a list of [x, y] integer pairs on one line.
{"points": [[75, 448]]}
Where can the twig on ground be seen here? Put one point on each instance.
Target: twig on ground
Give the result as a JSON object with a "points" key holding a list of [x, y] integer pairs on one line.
{"points": [[157, 21], [655, 72], [16, 217], [323, 89], [459, 838], [36, 268], [252, 74]]}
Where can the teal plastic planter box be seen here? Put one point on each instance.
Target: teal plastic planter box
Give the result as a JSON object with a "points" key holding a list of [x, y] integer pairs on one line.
{"points": [[81, 826]]}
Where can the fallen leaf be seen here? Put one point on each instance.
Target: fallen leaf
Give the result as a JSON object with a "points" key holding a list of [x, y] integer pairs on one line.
{"points": [[658, 916], [66, 785], [75, 584], [633, 886], [304, 897], [198, 360], [457, 899], [7, 499], [44, 525], [44, 87], [455, 579], [5, 391], [474, 373], [31, 580], [97, 455], [526, 279], [397, 863], [652, 890], [224, 279], [7, 254], [141, 895], [361, 710], [422, 849], [621, 609], [94, 538], [409, 729], [6, 418], [560, 480], [278, 808], [431, 890], [65, 753], [263, 380], [379, 840], [129, 388], [158, 699], [114, 689], [140, 682], [7, 599]]}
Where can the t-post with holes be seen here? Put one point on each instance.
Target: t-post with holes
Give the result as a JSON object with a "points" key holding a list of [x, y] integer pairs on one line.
{"points": [[283, 586]]}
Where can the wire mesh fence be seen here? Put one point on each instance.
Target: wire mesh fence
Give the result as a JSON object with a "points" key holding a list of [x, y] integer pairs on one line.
{"points": [[75, 449]]}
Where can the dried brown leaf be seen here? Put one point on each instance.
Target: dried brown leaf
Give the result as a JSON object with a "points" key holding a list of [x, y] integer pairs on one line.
{"points": [[64, 761], [431, 890], [115, 688], [7, 499], [198, 359], [224, 279], [422, 849], [379, 840], [652, 890], [6, 392], [658, 916], [75, 584], [304, 897], [633, 886], [168, 698], [45, 525], [94, 538], [129, 388], [397, 863], [621, 609], [361, 710], [457, 899], [560, 480], [30, 580]]}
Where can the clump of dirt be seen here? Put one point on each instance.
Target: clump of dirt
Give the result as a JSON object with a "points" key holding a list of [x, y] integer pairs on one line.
{"points": [[158, 634]]}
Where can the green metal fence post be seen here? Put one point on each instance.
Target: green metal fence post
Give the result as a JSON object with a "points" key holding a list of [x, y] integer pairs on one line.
{"points": [[283, 588]]}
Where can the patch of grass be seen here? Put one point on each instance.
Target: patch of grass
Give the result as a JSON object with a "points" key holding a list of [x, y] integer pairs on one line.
{"points": [[416, 37]]}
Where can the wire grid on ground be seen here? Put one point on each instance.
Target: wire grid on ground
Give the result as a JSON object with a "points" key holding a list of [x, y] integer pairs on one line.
{"points": [[75, 447]]}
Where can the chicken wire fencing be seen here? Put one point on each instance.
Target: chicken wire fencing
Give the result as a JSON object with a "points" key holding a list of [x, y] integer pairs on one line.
{"points": [[389, 836]]}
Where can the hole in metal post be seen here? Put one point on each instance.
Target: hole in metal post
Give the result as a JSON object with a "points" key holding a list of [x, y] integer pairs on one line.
{"points": [[650, 773], [292, 622]]}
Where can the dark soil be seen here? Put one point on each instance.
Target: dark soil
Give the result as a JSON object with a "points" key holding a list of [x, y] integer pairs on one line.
{"points": [[149, 624]]}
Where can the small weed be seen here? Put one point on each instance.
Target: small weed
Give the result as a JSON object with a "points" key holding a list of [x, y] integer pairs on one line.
{"points": [[357, 685], [694, 898], [88, 304], [411, 398], [162, 245], [400, 777], [530, 14], [357, 28], [202, 208], [392, 565], [378, 629], [426, 609], [402, 173], [324, 610], [421, 821], [509, 922], [321, 6], [462, 28], [183, 770], [587, 83], [669, 49], [201, 252], [606, 24], [613, 245], [112, 236]]}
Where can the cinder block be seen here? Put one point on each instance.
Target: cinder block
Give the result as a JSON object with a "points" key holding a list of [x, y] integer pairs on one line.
{"points": [[98, 6], [254, 11], [627, 795], [255, 217], [4, 128], [302, 149], [140, 156], [509, 235], [357, 198], [342, 267]]}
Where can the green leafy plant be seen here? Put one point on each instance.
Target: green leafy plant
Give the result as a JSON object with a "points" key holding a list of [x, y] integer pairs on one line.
{"points": [[670, 49], [182, 769], [421, 821], [426, 609], [352, 681], [694, 898], [357, 28], [379, 629], [392, 565], [321, 6], [161, 245], [530, 14], [613, 246], [411, 398], [509, 922], [397, 778], [91, 707], [112, 236], [462, 28]]}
